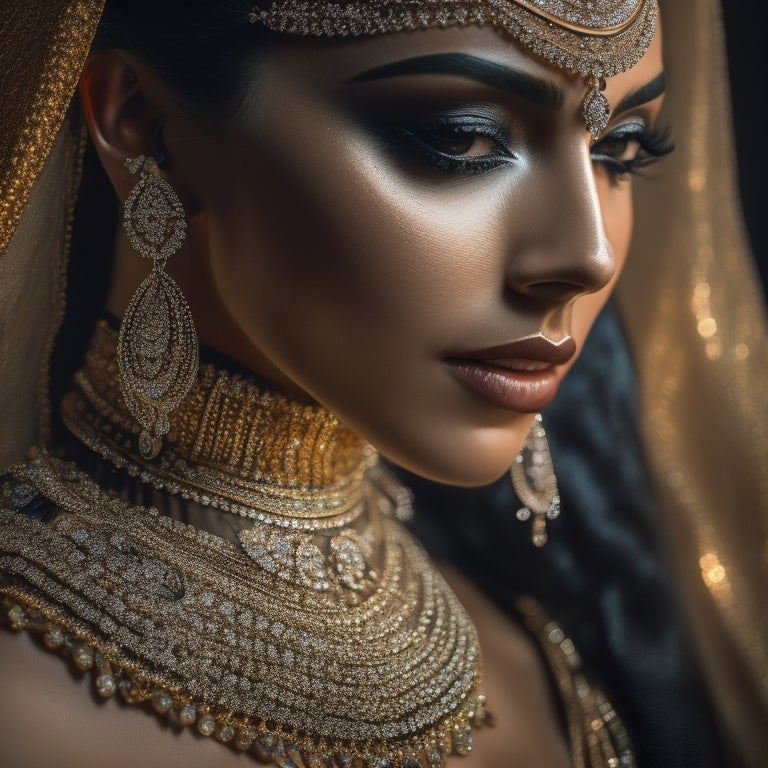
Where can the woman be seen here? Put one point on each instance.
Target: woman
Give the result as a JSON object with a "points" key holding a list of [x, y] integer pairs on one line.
{"points": [[306, 627]]}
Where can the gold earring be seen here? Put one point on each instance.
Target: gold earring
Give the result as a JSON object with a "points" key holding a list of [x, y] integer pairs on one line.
{"points": [[534, 481], [157, 349]]}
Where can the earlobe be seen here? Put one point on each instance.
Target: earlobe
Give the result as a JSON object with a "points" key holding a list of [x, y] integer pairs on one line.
{"points": [[117, 114]]}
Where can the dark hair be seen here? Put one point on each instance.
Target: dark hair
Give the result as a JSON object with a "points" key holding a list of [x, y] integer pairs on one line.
{"points": [[206, 52]]}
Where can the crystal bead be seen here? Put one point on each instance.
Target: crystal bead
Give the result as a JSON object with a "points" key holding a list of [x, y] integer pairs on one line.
{"points": [[53, 638], [226, 733], [268, 739], [106, 685], [462, 739], [244, 738], [188, 714], [260, 751], [206, 725], [17, 617], [161, 702], [83, 657]]}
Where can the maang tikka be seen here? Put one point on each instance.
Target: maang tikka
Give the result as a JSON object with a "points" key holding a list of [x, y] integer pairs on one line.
{"points": [[594, 39], [534, 482], [157, 349]]}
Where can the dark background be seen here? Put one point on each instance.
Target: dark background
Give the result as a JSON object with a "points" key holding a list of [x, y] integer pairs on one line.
{"points": [[746, 24]]}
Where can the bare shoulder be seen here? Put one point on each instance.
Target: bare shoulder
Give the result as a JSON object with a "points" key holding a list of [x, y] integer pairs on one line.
{"points": [[50, 716], [527, 732]]}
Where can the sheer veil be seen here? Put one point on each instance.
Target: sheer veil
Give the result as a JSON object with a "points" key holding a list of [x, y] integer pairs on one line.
{"points": [[701, 353]]}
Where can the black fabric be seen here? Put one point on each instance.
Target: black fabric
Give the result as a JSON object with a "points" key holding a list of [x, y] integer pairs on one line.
{"points": [[604, 574]]}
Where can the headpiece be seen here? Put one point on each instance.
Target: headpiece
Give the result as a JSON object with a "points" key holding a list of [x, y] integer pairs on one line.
{"points": [[592, 39]]}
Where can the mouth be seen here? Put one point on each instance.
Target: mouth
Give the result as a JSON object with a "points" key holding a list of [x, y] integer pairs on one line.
{"points": [[521, 376]]}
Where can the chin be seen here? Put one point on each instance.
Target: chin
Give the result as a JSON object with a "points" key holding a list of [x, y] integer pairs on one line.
{"points": [[476, 460]]}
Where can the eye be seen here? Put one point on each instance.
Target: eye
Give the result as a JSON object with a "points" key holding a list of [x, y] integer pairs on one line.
{"points": [[628, 149], [459, 144]]}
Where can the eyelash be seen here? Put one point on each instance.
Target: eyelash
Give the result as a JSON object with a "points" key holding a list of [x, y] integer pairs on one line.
{"points": [[652, 146], [607, 153], [424, 139]]}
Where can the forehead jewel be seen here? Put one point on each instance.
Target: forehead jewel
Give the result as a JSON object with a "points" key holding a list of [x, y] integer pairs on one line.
{"points": [[591, 38]]}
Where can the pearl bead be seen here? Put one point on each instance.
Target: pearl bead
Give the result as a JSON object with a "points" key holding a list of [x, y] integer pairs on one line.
{"points": [[54, 638], [162, 702], [17, 617], [188, 714], [83, 657], [244, 739], [206, 725], [106, 686]]}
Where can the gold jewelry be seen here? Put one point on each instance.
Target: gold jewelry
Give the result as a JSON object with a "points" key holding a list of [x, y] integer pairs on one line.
{"points": [[322, 636], [583, 37], [344, 649], [598, 736], [157, 347], [232, 444], [534, 481]]}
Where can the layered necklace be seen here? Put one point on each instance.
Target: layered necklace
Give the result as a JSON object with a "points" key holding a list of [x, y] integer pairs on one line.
{"points": [[320, 636]]}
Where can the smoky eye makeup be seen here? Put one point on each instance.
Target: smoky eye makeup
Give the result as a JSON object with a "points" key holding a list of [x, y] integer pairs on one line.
{"points": [[631, 147], [464, 143], [460, 140], [448, 126]]}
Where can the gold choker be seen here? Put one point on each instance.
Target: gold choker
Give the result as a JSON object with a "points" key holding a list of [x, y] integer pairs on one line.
{"points": [[323, 638], [232, 444]]}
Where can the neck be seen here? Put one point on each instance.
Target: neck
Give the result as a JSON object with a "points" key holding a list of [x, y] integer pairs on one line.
{"points": [[234, 443]]}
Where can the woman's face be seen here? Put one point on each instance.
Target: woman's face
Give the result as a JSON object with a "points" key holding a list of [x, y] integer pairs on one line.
{"points": [[415, 231]]}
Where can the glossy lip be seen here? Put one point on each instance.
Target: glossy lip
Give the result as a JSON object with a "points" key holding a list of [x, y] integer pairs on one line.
{"points": [[520, 376]]}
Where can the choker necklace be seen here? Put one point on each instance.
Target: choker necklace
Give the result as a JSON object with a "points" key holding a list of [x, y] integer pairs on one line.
{"points": [[322, 638]]}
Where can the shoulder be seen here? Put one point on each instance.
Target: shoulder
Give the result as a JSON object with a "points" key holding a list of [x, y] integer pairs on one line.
{"points": [[50, 715], [528, 732]]}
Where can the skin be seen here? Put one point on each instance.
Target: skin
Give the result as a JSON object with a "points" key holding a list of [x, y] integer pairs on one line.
{"points": [[359, 310]]}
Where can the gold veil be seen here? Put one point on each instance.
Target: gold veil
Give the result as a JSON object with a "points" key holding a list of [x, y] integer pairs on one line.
{"points": [[696, 321], [690, 297]]}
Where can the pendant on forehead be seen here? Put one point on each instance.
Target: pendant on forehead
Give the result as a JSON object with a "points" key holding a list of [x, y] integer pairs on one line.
{"points": [[594, 39], [596, 110]]}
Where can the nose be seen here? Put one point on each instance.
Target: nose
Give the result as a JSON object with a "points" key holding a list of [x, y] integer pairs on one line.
{"points": [[559, 246]]}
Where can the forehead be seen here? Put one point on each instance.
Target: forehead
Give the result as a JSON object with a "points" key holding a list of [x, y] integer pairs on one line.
{"points": [[326, 63]]}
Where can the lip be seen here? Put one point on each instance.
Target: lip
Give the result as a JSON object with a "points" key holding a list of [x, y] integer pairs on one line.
{"points": [[520, 376]]}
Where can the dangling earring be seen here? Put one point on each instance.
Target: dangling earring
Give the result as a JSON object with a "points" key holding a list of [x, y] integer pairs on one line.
{"points": [[534, 481], [157, 350]]}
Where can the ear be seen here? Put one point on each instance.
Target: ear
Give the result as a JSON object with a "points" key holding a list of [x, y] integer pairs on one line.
{"points": [[125, 106]]}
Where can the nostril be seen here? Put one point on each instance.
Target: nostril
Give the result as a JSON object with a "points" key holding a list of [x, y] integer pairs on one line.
{"points": [[561, 274], [548, 292]]}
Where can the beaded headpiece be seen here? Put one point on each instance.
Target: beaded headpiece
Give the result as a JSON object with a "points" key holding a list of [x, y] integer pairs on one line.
{"points": [[591, 38]]}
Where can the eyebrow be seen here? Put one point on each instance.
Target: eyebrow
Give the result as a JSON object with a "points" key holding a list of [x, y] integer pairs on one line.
{"points": [[648, 92], [496, 75]]}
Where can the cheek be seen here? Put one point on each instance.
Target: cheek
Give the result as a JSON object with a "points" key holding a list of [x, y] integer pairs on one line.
{"points": [[286, 246], [359, 310]]}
